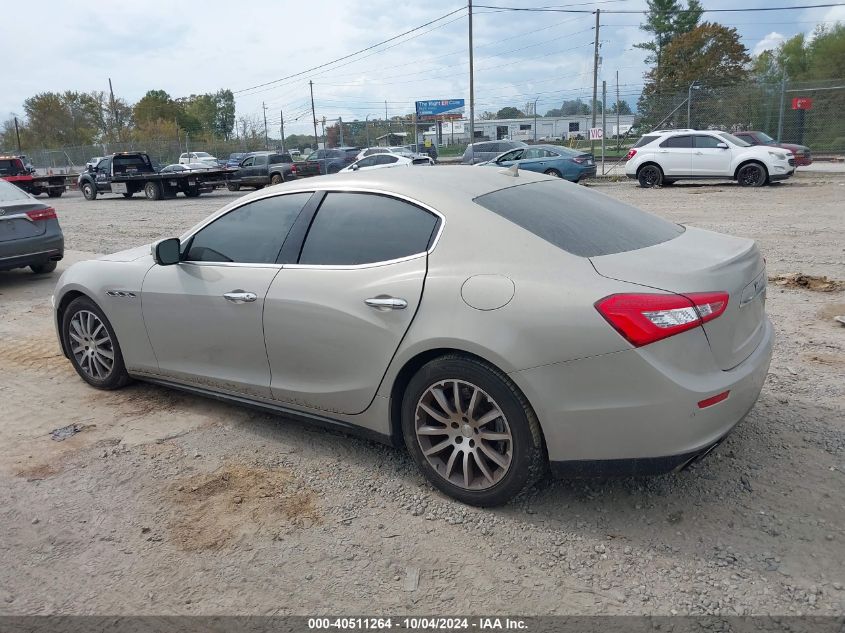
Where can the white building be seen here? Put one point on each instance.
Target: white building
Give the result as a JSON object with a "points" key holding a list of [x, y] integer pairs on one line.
{"points": [[547, 128]]}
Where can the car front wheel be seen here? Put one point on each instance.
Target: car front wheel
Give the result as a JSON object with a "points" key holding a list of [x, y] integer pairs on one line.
{"points": [[752, 175], [92, 345], [89, 190], [471, 432]]}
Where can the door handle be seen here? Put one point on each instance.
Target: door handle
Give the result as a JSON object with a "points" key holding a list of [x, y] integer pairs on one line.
{"points": [[386, 303], [699, 153], [240, 296]]}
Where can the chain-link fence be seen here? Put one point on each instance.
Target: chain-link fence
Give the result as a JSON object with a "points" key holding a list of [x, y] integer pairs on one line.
{"points": [[807, 113]]}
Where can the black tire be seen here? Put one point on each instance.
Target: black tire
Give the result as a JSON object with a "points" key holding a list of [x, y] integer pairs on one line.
{"points": [[117, 377], [650, 176], [752, 175], [192, 192], [553, 172], [276, 179], [128, 195], [41, 269], [152, 190], [232, 186], [55, 193], [528, 456], [89, 190]]}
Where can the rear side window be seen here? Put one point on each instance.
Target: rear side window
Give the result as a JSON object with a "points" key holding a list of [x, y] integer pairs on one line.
{"points": [[362, 228], [645, 140], [251, 234], [677, 141], [578, 220]]}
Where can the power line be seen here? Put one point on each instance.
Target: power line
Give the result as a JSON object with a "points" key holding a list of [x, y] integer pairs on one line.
{"points": [[646, 11], [363, 50]]}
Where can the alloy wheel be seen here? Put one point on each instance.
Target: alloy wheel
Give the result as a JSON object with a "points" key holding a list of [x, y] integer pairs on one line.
{"points": [[649, 176], [749, 175], [91, 345], [463, 434]]}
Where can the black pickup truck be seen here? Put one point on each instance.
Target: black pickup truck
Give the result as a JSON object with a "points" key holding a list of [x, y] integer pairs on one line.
{"points": [[129, 173], [259, 169]]}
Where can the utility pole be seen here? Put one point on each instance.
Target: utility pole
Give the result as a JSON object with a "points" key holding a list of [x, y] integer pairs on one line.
{"points": [[114, 110], [323, 124], [535, 119], [386, 120], [340, 128], [595, 74], [282, 126], [18, 134], [782, 95], [314, 116], [689, 103], [618, 108], [603, 120], [266, 137], [471, 88]]}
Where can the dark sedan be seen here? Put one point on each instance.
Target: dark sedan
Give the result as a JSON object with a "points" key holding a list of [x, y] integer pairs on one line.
{"points": [[30, 234], [552, 160]]}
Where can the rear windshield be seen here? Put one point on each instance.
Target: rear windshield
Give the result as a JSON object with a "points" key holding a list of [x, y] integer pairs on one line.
{"points": [[578, 220], [645, 140], [11, 193]]}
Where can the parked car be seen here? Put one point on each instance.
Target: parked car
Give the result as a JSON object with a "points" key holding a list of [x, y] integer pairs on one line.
{"points": [[387, 159], [493, 325], [332, 161], [260, 169], [802, 153], [665, 156], [93, 161], [488, 150], [198, 157], [176, 167], [30, 234], [398, 150], [235, 159], [552, 160]]}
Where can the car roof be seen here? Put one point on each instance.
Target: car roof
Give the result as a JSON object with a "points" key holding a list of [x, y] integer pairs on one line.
{"points": [[443, 188]]}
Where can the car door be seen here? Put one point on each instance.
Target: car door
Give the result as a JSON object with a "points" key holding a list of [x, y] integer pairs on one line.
{"points": [[204, 314], [675, 155], [711, 156], [534, 159], [102, 177], [334, 320], [245, 170], [259, 174]]}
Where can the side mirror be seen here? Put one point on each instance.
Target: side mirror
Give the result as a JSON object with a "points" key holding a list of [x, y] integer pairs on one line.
{"points": [[722, 145], [91, 169], [354, 167], [166, 252]]}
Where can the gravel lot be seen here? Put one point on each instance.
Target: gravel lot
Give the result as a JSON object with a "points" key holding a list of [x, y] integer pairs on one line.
{"points": [[166, 503]]}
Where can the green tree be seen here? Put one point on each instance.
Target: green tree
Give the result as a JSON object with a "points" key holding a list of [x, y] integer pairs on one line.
{"points": [[510, 113], [665, 20], [224, 114], [574, 107], [624, 108]]}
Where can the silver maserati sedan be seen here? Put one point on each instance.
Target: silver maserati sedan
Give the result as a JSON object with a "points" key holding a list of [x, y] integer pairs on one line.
{"points": [[497, 324]]}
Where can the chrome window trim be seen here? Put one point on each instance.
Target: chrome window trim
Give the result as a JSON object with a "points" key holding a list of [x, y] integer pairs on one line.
{"points": [[313, 190]]}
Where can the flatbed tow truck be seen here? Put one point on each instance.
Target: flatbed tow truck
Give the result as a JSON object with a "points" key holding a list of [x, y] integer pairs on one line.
{"points": [[129, 173], [13, 170]]}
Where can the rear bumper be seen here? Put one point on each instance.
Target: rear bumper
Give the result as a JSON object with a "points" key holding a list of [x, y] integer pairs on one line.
{"points": [[33, 250], [641, 405]]}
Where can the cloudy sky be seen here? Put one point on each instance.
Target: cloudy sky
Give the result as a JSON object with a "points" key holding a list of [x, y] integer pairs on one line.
{"points": [[196, 46]]}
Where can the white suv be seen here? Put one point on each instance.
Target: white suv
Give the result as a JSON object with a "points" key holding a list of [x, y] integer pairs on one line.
{"points": [[664, 156]]}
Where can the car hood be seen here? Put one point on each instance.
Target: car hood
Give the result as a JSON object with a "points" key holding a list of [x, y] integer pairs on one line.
{"points": [[129, 255], [792, 147]]}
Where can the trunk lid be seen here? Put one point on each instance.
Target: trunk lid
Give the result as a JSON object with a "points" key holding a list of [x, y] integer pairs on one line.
{"points": [[16, 225], [703, 261]]}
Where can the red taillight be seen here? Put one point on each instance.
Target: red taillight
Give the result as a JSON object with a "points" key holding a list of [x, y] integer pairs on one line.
{"points": [[631, 154], [646, 318], [49, 213], [709, 402], [293, 169], [579, 160]]}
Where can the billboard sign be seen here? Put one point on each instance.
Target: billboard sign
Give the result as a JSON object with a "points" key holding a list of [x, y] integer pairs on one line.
{"points": [[439, 109]]}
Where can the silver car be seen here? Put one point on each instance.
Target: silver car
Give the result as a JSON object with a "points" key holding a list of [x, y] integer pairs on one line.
{"points": [[494, 325]]}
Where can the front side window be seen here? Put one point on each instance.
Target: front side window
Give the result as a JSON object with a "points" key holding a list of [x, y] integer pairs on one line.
{"points": [[707, 142], [251, 234], [249, 162], [730, 138], [369, 161], [361, 228], [104, 165], [677, 142], [512, 155]]}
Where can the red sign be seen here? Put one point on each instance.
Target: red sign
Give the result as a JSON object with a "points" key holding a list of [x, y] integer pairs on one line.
{"points": [[802, 103]]}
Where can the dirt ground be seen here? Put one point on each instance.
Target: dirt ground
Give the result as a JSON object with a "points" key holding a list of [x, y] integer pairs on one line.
{"points": [[166, 503]]}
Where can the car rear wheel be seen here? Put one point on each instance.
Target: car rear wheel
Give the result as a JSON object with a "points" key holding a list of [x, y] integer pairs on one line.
{"points": [[92, 345], [41, 269], [153, 190], [471, 432], [553, 172], [232, 187], [752, 175], [55, 193], [89, 190], [650, 176], [277, 179], [192, 192]]}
